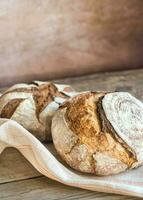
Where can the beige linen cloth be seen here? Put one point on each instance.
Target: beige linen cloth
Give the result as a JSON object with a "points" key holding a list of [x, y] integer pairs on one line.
{"points": [[14, 135]]}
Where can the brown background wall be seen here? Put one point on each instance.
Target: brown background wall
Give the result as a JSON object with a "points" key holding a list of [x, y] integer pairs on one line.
{"points": [[44, 39]]}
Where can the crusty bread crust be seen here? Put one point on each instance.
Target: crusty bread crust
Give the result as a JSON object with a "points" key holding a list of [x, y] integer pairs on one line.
{"points": [[86, 140], [33, 105]]}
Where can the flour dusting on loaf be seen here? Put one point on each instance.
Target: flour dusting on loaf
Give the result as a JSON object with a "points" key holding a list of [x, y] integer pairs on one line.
{"points": [[125, 114]]}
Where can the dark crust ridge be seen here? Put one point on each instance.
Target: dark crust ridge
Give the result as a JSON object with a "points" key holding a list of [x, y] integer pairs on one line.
{"points": [[106, 126], [10, 108]]}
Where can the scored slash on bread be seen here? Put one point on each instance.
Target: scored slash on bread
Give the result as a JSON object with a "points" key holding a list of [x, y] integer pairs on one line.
{"points": [[33, 105], [93, 134]]}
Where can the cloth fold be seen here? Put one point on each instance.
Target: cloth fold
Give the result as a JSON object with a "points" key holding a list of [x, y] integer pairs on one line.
{"points": [[14, 135]]}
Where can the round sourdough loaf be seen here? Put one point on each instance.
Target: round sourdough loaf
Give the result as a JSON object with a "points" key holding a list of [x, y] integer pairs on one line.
{"points": [[100, 133], [33, 105]]}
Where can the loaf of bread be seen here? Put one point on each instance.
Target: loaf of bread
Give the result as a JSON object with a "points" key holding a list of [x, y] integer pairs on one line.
{"points": [[33, 105], [100, 133]]}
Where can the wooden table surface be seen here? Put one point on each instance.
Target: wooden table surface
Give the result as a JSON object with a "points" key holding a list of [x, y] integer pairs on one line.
{"points": [[19, 180]]}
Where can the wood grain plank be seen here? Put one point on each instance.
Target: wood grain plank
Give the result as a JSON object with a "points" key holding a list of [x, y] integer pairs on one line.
{"points": [[128, 80], [13, 166], [43, 188]]}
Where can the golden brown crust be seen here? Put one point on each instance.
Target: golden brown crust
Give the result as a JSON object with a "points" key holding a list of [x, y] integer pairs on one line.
{"points": [[85, 118]]}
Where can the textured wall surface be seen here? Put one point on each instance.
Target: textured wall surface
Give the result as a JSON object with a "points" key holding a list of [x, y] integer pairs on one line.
{"points": [[41, 39]]}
